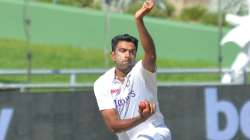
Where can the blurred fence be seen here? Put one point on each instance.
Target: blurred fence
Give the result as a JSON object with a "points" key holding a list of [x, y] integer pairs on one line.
{"points": [[74, 73], [191, 112]]}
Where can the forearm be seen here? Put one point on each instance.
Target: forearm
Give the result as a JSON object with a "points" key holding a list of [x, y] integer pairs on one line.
{"points": [[117, 126], [145, 37], [149, 59]]}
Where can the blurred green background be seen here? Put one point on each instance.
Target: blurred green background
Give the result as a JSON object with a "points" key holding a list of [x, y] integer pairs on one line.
{"points": [[71, 35]]}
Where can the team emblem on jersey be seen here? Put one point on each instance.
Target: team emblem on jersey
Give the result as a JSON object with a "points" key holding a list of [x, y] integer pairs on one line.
{"points": [[115, 91]]}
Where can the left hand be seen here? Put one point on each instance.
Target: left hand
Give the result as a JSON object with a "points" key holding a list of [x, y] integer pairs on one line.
{"points": [[148, 109], [147, 6]]}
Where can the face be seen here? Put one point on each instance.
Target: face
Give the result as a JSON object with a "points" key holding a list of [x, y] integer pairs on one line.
{"points": [[124, 56]]}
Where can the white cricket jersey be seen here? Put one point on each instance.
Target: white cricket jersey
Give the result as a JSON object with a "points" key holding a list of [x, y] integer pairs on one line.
{"points": [[139, 84]]}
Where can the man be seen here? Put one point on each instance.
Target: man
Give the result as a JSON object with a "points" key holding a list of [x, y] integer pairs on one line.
{"points": [[120, 90]]}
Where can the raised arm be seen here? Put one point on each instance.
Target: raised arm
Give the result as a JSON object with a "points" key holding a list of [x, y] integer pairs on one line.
{"points": [[149, 59]]}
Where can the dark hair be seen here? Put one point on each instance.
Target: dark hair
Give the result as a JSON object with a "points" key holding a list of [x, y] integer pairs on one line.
{"points": [[124, 37]]}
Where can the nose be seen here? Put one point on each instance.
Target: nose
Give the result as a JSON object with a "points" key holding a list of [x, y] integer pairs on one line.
{"points": [[127, 54]]}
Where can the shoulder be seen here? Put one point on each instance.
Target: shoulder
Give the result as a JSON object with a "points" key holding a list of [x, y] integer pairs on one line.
{"points": [[139, 67], [141, 73], [104, 78]]}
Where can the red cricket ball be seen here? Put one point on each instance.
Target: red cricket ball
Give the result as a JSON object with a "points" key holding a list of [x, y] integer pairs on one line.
{"points": [[142, 105]]}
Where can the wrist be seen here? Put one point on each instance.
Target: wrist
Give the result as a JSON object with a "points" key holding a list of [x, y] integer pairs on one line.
{"points": [[138, 17], [142, 118]]}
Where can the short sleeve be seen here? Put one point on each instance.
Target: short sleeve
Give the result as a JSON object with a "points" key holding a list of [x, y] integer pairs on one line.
{"points": [[146, 75], [145, 79], [103, 97]]}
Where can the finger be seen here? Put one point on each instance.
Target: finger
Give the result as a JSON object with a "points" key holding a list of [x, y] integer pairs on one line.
{"points": [[154, 108], [148, 4], [140, 109], [152, 1], [147, 105], [149, 1], [147, 109], [151, 108]]}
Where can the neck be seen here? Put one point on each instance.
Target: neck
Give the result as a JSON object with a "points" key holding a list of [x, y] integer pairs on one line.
{"points": [[119, 74]]}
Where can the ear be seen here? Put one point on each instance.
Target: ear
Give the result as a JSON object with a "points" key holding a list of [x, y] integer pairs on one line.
{"points": [[113, 55]]}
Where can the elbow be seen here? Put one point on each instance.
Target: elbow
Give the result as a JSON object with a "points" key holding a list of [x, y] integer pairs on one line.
{"points": [[113, 130], [115, 126], [152, 57]]}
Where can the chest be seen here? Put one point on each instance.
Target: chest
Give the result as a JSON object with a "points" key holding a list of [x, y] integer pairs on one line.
{"points": [[123, 89], [133, 89]]}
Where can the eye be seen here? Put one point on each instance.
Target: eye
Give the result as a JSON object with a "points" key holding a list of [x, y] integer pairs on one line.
{"points": [[132, 51], [122, 50]]}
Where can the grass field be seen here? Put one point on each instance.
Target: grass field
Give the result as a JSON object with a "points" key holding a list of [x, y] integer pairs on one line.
{"points": [[13, 55]]}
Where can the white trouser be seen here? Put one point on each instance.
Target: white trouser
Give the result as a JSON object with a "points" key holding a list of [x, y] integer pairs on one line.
{"points": [[154, 133]]}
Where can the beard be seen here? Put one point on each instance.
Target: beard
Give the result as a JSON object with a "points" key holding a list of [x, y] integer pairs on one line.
{"points": [[125, 66]]}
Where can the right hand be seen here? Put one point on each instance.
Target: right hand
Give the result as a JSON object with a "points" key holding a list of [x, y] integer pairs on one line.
{"points": [[148, 111], [145, 9]]}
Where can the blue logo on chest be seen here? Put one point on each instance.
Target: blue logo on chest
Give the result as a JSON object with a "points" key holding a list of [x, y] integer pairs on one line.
{"points": [[126, 100]]}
